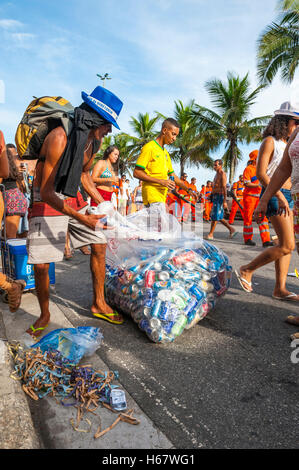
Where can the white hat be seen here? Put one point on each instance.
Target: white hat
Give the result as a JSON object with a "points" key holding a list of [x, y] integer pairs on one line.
{"points": [[288, 109]]}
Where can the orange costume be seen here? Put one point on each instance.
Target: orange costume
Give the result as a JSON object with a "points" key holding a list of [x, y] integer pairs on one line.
{"points": [[238, 186], [185, 206], [208, 203], [251, 197], [193, 200], [173, 204]]}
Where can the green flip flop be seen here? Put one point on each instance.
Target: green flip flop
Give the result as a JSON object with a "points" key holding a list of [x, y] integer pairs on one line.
{"points": [[105, 316]]}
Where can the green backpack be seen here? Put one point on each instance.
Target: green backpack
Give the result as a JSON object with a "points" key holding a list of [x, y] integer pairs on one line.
{"points": [[41, 117]]}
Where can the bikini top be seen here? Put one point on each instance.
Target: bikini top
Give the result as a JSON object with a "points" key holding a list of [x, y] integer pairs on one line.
{"points": [[106, 173]]}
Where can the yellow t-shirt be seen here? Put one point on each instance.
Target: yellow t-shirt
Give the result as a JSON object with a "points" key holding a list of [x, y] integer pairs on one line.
{"points": [[155, 161]]}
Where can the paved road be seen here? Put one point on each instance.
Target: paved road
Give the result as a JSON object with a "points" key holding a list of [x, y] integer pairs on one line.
{"points": [[228, 382]]}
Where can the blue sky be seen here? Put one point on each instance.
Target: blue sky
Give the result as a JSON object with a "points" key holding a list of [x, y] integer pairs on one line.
{"points": [[155, 51]]}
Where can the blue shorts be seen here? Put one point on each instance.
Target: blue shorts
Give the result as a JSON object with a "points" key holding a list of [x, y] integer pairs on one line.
{"points": [[217, 210], [272, 209]]}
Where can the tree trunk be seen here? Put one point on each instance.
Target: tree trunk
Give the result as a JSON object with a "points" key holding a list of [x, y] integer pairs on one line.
{"points": [[182, 164]]}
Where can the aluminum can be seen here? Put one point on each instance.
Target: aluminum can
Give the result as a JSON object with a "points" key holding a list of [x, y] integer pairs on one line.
{"points": [[163, 276], [194, 290], [149, 278], [179, 325], [183, 293], [205, 286], [137, 295], [216, 283], [179, 302], [147, 267], [191, 276], [156, 308], [139, 279], [155, 323], [165, 311], [161, 285], [135, 269], [170, 267], [144, 325], [133, 288], [191, 306], [147, 312], [157, 266], [164, 295], [157, 336], [148, 297], [168, 326], [184, 257], [118, 399], [137, 315]]}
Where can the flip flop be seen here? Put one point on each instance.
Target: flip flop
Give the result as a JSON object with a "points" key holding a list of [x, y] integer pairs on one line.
{"points": [[106, 317], [233, 235], [292, 320], [42, 328], [242, 280], [295, 336], [209, 238], [288, 297]]}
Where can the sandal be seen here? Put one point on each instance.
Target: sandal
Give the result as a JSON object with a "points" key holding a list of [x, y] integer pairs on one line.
{"points": [[233, 235], [105, 316], [14, 295], [293, 320], [295, 336], [289, 297], [34, 330], [243, 281], [68, 254], [85, 250]]}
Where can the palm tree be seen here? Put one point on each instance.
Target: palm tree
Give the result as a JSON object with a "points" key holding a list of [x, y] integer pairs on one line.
{"points": [[126, 161], [190, 146], [230, 123], [278, 45], [144, 129]]}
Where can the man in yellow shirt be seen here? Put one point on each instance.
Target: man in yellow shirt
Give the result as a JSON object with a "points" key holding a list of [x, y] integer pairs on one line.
{"points": [[154, 166]]}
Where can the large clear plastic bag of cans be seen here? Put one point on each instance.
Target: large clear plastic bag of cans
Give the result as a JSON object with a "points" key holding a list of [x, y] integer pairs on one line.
{"points": [[166, 280]]}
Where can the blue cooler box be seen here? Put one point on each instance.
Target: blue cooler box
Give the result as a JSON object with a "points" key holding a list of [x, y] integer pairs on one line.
{"points": [[20, 269]]}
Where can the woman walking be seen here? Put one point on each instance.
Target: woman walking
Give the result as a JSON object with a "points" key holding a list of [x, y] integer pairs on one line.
{"points": [[271, 153]]}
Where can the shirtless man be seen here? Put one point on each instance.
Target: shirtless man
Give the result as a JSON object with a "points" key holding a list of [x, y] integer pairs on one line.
{"points": [[52, 214], [219, 201]]}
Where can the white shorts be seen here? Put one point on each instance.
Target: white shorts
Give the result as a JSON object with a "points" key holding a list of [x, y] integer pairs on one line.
{"points": [[47, 236]]}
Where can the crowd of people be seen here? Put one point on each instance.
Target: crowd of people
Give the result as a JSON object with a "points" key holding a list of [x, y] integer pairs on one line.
{"points": [[42, 200]]}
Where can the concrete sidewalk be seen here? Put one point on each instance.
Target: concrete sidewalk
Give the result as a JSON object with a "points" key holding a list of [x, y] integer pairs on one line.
{"points": [[27, 424]]}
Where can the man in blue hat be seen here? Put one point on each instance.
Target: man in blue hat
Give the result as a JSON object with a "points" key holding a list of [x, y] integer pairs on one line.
{"points": [[58, 207]]}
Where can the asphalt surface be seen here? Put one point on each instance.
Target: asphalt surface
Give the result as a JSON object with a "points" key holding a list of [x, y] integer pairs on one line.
{"points": [[226, 383]]}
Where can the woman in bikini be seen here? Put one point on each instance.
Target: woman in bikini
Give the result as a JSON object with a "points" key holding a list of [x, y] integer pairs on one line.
{"points": [[104, 175], [271, 152]]}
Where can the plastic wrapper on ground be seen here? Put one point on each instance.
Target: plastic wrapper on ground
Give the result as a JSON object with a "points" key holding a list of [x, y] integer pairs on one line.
{"points": [[72, 343]]}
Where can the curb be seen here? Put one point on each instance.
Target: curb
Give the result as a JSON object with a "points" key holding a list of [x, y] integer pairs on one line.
{"points": [[17, 429]]}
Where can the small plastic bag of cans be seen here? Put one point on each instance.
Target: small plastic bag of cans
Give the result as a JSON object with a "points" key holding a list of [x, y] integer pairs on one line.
{"points": [[167, 287]]}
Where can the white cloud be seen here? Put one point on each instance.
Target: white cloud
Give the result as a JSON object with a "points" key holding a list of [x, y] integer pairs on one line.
{"points": [[23, 40], [10, 24]]}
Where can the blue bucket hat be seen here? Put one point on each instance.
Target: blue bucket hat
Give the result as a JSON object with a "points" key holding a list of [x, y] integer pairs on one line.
{"points": [[104, 102]]}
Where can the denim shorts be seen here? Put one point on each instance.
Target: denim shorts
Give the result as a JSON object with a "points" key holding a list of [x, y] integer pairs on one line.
{"points": [[217, 209], [272, 209]]}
